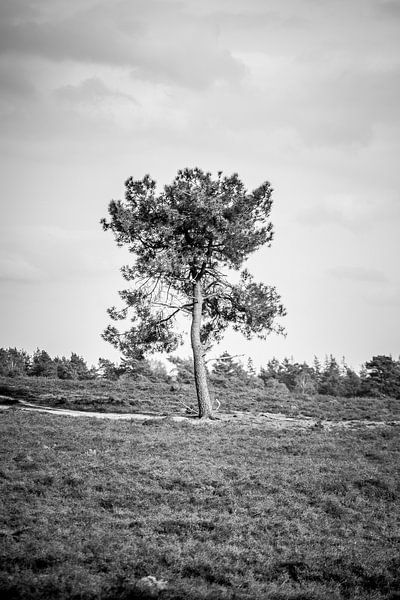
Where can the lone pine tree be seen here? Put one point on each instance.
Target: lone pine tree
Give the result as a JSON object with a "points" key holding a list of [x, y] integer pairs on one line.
{"points": [[186, 239]]}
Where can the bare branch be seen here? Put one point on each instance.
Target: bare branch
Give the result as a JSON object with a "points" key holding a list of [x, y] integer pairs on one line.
{"points": [[188, 408], [204, 265], [167, 305], [144, 283], [219, 405], [225, 357], [174, 313], [154, 287]]}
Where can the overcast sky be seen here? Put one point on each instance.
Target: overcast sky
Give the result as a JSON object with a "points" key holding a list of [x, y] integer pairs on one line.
{"points": [[303, 93]]}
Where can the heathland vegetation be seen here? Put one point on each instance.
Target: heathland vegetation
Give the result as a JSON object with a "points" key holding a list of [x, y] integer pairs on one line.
{"points": [[378, 377], [200, 510], [212, 510], [324, 390]]}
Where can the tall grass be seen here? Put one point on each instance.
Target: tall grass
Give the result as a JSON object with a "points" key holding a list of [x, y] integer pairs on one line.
{"points": [[217, 510]]}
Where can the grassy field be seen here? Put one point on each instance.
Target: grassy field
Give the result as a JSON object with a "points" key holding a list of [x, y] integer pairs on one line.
{"points": [[166, 398], [217, 510]]}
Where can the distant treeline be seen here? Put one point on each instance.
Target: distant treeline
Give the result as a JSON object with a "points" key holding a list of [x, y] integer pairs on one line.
{"points": [[378, 377]]}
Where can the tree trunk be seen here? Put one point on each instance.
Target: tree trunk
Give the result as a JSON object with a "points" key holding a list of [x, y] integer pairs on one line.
{"points": [[200, 373]]}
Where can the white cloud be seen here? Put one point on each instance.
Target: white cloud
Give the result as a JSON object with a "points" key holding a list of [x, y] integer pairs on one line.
{"points": [[302, 92], [56, 254], [14, 82], [91, 90], [354, 212], [159, 40], [18, 269], [389, 297], [357, 274]]}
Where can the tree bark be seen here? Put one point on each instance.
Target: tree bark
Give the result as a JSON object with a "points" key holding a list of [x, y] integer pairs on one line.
{"points": [[200, 373]]}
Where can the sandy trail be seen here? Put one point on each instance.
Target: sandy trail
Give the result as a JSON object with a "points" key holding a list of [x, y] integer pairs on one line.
{"points": [[28, 406], [274, 420]]}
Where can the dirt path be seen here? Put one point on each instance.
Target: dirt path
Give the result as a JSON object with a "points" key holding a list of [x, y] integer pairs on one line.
{"points": [[274, 420]]}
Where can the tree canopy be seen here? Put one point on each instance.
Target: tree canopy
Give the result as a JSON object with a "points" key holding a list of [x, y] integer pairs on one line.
{"points": [[185, 240]]}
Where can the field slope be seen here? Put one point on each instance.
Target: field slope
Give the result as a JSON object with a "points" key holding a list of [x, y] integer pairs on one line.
{"points": [[127, 395], [218, 510]]}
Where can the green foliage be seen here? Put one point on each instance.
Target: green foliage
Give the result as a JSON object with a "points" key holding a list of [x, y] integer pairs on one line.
{"points": [[305, 382], [14, 362], [79, 367], [184, 369], [64, 368], [330, 381], [251, 368], [43, 365], [276, 389], [379, 377], [382, 376], [158, 371], [227, 366], [109, 370], [226, 371], [351, 383], [195, 230], [73, 368], [296, 376], [271, 371], [136, 368]]}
